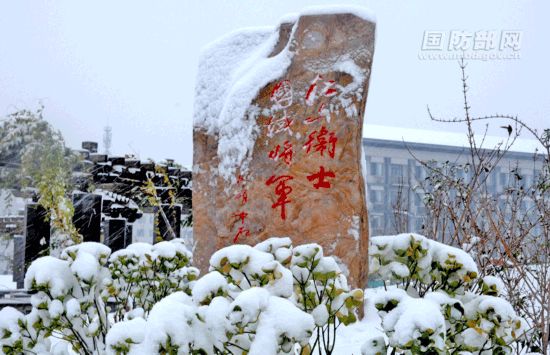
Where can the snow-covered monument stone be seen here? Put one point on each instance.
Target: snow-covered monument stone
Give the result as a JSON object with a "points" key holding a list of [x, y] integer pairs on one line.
{"points": [[277, 136]]}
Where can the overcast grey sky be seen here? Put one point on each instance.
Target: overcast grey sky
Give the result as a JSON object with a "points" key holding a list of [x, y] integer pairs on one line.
{"points": [[132, 64]]}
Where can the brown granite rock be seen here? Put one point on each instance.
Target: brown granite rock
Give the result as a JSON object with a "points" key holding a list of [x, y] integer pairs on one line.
{"points": [[301, 173]]}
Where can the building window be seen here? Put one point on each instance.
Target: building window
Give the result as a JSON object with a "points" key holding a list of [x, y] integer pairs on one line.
{"points": [[396, 173], [396, 170], [376, 224], [419, 172], [376, 196], [376, 169]]}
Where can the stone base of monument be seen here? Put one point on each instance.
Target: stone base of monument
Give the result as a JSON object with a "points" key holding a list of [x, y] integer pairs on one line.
{"points": [[277, 137]]}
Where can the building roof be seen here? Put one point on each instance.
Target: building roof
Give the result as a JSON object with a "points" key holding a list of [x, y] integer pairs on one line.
{"points": [[422, 136]]}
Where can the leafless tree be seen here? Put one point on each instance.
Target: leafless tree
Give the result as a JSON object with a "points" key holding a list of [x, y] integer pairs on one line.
{"points": [[508, 231]]}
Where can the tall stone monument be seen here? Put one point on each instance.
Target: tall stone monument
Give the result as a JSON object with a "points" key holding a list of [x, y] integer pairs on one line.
{"points": [[277, 137]]}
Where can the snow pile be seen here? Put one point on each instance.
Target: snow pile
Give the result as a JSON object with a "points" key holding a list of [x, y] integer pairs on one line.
{"points": [[208, 287], [255, 320], [280, 248], [10, 319], [219, 63], [492, 286], [99, 251], [51, 273], [266, 299], [162, 336], [375, 345], [302, 275]]}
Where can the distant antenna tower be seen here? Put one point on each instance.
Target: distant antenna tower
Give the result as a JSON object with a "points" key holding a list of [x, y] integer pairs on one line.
{"points": [[107, 136]]}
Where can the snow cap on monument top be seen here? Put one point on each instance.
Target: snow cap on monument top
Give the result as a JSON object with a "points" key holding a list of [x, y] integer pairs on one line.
{"points": [[359, 11]]}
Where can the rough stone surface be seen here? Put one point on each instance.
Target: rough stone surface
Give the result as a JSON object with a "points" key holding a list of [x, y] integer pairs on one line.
{"points": [[315, 111]]}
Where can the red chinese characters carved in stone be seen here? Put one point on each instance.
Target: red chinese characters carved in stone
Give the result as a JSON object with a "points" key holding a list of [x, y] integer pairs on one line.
{"points": [[242, 196], [242, 231], [322, 141], [285, 154], [282, 94], [322, 111], [278, 125], [319, 178], [282, 190], [241, 215], [327, 89]]}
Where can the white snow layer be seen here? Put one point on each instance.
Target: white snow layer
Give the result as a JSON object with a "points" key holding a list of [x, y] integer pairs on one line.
{"points": [[231, 73], [53, 272], [126, 332]]}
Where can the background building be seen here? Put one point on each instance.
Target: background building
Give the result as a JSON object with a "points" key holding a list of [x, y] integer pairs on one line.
{"points": [[393, 169]]}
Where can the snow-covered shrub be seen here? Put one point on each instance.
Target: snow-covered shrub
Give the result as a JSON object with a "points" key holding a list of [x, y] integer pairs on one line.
{"points": [[435, 303], [314, 282], [18, 333], [248, 303], [413, 260], [143, 274], [267, 299], [146, 299], [225, 313], [66, 302], [78, 297]]}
